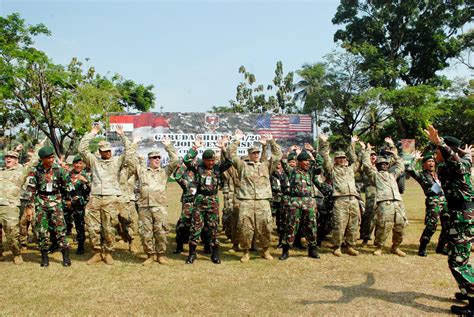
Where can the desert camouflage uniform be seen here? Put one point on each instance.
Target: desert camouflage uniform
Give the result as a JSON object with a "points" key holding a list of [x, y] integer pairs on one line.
{"points": [[152, 212], [128, 212], [254, 194], [104, 204], [456, 181], [186, 179], [368, 217]]}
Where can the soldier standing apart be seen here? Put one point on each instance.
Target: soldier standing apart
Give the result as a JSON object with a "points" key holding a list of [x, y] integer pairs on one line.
{"points": [[81, 187], [435, 202], [303, 210], [346, 212], [460, 197], [49, 184], [254, 193], [206, 203], [104, 204], [390, 211]]}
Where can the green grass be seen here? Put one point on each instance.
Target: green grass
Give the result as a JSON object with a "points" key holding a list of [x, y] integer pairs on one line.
{"points": [[363, 285]]}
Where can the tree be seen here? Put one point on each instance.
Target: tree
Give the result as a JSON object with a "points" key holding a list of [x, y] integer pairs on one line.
{"points": [[407, 40], [136, 96]]}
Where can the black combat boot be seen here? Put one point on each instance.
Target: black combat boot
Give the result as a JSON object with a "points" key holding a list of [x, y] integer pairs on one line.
{"points": [[207, 248], [467, 310], [297, 243], [461, 296], [441, 247], [280, 245], [179, 248], [53, 247], [215, 255], [313, 252], [192, 254], [423, 244], [66, 259], [44, 258], [80, 248], [284, 254]]}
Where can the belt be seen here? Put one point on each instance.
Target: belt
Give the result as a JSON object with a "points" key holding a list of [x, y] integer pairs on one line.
{"points": [[301, 195], [206, 193], [48, 193]]}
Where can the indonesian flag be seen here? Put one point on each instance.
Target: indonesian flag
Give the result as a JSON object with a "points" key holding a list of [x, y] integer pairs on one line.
{"points": [[143, 120]]}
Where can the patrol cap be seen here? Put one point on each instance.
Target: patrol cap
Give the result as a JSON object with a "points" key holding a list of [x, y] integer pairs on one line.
{"points": [[45, 151], [76, 159], [381, 159], [12, 154], [154, 154], [291, 156], [253, 149], [339, 154], [303, 156], [208, 154], [104, 146], [372, 152], [452, 141]]}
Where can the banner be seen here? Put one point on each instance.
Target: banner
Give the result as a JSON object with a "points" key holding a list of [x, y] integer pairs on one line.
{"points": [[182, 128], [408, 150]]}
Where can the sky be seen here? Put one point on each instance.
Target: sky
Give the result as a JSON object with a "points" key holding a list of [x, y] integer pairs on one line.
{"points": [[189, 50]]}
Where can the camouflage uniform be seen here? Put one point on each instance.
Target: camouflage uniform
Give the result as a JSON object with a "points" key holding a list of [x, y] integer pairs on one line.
{"points": [[104, 204], [390, 211], [230, 214], [126, 216], [325, 205], [368, 217], [186, 179], [278, 181], [50, 190], [24, 223], [345, 216], [435, 204], [254, 195], [152, 212], [456, 181], [79, 194], [206, 203]]}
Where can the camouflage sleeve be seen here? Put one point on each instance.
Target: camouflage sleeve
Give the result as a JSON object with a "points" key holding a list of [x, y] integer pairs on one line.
{"points": [[31, 186], [327, 165], [286, 167], [413, 172], [174, 160], [236, 161], [398, 168], [353, 159], [83, 150], [264, 156], [130, 150], [189, 159], [369, 170], [65, 183], [225, 165], [276, 155]]}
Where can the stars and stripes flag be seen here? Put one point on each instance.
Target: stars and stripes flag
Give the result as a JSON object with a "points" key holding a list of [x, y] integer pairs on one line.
{"points": [[283, 126]]}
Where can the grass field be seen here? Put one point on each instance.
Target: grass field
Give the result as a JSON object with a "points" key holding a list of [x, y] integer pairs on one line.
{"points": [[363, 285]]}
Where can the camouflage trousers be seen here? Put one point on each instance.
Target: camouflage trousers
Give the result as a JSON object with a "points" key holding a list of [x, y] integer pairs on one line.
{"points": [[227, 212], [10, 224], [324, 219], [460, 237], [390, 217], [367, 225], [255, 217], [126, 222], [302, 213], [49, 217], [101, 217], [24, 225], [153, 228], [345, 219], [276, 205], [183, 225], [436, 208], [230, 221], [205, 216]]}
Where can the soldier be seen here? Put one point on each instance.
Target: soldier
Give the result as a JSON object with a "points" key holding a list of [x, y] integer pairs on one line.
{"points": [[435, 201], [81, 187], [104, 204], [278, 180], [127, 212], [324, 209], [288, 164], [206, 203], [25, 224], [302, 211], [254, 193], [346, 204], [368, 217], [49, 184], [231, 216], [152, 212], [460, 197], [390, 211]]}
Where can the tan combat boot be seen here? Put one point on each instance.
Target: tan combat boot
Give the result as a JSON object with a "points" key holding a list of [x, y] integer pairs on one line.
{"points": [[397, 251], [96, 258], [149, 261], [235, 248], [108, 258], [246, 257], [378, 251], [132, 248], [337, 252], [17, 259], [266, 254], [352, 251], [161, 258]]}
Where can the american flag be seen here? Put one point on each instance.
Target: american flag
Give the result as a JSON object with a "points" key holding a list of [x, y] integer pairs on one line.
{"points": [[283, 126]]}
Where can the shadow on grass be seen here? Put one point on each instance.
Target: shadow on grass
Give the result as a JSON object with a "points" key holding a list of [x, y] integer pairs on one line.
{"points": [[365, 290]]}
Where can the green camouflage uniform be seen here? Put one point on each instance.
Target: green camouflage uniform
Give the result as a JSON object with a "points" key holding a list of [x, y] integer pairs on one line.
{"points": [[345, 216], [456, 181], [24, 223], [152, 212], [79, 193], [105, 202], [186, 179], [278, 181], [254, 194], [50, 190], [230, 213], [367, 225], [390, 211], [325, 206], [206, 203]]}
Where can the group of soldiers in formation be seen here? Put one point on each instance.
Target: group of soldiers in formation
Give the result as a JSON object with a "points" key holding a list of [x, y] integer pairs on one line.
{"points": [[309, 194]]}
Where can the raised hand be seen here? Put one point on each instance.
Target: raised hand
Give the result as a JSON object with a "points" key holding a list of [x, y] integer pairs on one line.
{"points": [[362, 145], [263, 139], [308, 147], [298, 150], [418, 155], [166, 140], [238, 135], [119, 129], [467, 149], [198, 141], [323, 137], [354, 138], [432, 134], [95, 128], [369, 147], [389, 141]]}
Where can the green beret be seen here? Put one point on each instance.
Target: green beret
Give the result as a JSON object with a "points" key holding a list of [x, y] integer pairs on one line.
{"points": [[303, 156], [381, 159], [339, 154], [208, 154], [77, 158], [427, 156], [452, 141], [291, 156], [45, 151]]}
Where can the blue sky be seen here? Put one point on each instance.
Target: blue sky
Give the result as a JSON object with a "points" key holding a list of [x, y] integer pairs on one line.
{"points": [[189, 50]]}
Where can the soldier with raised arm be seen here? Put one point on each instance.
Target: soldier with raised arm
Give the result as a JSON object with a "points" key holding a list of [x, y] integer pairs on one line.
{"points": [[104, 204], [254, 193]]}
